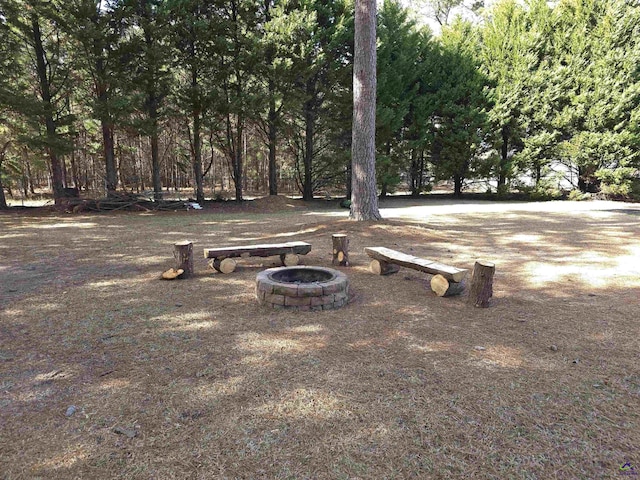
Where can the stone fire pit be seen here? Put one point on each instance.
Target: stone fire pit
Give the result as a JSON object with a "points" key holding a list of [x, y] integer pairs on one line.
{"points": [[302, 288]]}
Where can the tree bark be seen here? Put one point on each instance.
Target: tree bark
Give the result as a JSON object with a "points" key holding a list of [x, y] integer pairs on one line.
{"points": [[364, 199], [340, 250], [183, 253], [155, 160], [273, 167], [238, 159], [481, 289], [457, 185], [309, 120], [504, 153], [102, 94], [3, 199], [45, 92], [197, 157]]}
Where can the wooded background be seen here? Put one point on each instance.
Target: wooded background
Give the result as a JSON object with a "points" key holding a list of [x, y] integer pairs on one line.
{"points": [[228, 97]]}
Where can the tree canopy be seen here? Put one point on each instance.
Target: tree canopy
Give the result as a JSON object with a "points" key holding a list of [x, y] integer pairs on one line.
{"points": [[223, 98]]}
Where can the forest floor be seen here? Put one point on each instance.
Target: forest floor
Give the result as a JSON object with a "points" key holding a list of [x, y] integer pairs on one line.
{"points": [[193, 379]]}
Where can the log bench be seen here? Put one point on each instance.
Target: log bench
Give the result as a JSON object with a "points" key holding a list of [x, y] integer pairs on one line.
{"points": [[223, 258], [447, 280]]}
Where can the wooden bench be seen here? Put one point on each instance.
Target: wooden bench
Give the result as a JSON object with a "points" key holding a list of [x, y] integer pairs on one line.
{"points": [[448, 280], [223, 258]]}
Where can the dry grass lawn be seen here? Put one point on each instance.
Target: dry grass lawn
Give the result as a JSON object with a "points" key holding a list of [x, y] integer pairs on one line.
{"points": [[192, 379]]}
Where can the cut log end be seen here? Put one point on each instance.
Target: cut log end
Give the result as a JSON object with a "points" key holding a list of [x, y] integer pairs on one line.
{"points": [[290, 259], [444, 288], [340, 249], [172, 274], [383, 268], [226, 265]]}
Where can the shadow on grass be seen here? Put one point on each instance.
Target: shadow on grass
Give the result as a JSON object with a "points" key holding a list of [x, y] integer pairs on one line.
{"points": [[201, 381]]}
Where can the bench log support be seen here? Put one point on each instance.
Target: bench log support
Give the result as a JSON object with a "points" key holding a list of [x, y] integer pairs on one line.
{"points": [[387, 255], [380, 267], [444, 288]]}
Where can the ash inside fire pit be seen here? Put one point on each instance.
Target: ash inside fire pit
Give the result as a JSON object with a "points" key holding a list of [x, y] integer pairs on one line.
{"points": [[302, 275], [302, 288]]}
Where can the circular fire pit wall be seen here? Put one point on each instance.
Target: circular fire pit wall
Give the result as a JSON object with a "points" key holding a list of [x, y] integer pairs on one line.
{"points": [[302, 288]]}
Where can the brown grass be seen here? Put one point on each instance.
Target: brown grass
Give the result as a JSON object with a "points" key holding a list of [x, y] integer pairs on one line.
{"points": [[204, 383]]}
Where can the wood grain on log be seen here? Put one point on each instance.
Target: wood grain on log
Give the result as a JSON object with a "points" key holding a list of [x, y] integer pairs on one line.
{"points": [[224, 265], [481, 288], [183, 253], [445, 288], [340, 250], [416, 263], [290, 259], [172, 274], [380, 267]]}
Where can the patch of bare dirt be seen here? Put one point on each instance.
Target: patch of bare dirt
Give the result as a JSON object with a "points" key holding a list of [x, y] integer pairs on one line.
{"points": [[192, 378]]}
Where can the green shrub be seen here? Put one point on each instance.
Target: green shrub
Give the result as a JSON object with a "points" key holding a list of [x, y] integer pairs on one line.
{"points": [[620, 182], [578, 196]]}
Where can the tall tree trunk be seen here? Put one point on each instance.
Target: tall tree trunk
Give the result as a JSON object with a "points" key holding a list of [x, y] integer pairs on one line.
{"points": [[272, 129], [273, 166], [3, 200], [197, 157], [106, 123], [504, 153], [238, 164], [457, 185], [309, 121], [155, 157], [109, 158], [45, 91], [415, 189], [364, 201]]}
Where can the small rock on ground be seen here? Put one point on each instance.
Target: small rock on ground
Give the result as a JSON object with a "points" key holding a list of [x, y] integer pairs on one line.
{"points": [[127, 432]]}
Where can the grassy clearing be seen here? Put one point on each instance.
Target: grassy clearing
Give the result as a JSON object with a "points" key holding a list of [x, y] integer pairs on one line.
{"points": [[192, 379]]}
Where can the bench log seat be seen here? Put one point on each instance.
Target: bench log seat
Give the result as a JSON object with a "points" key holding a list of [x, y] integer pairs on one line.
{"points": [[387, 257], [288, 252]]}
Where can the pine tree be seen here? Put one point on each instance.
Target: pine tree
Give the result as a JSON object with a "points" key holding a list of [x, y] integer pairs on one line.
{"points": [[461, 113], [98, 33], [364, 201], [36, 26]]}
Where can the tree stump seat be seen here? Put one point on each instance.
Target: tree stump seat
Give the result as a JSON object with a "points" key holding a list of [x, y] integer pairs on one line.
{"points": [[222, 258]]}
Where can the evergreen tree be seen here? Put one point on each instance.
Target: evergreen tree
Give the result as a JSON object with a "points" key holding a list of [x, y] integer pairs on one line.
{"points": [[234, 88], [326, 53], [461, 113], [36, 27], [148, 53], [98, 33], [195, 39], [397, 91], [506, 60]]}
